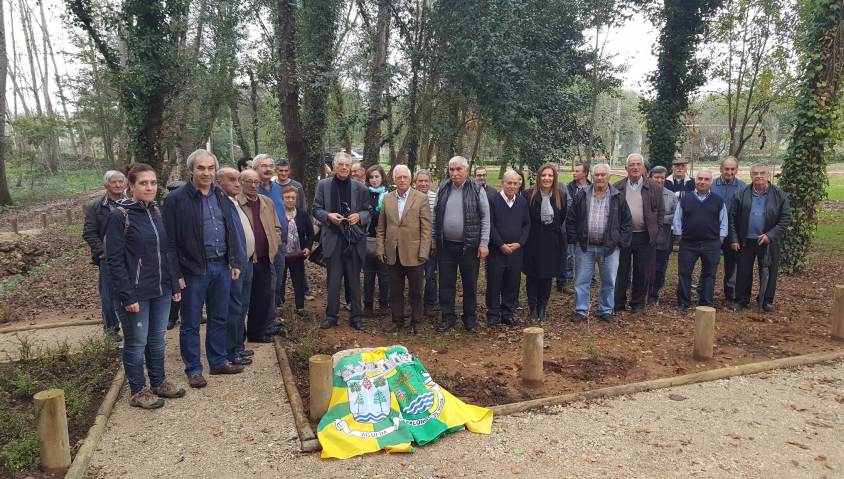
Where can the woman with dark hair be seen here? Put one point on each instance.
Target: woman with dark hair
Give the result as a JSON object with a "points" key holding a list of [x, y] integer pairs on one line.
{"points": [[547, 240], [144, 282], [372, 267]]}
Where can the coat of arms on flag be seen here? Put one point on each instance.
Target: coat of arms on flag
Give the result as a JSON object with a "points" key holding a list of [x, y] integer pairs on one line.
{"points": [[384, 398]]}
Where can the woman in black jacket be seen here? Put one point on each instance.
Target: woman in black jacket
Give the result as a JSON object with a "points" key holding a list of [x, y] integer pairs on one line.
{"points": [[297, 247], [376, 181], [547, 240], [143, 281]]}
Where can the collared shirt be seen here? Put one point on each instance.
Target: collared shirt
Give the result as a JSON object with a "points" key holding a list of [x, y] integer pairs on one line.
{"points": [[213, 226], [635, 185], [509, 202], [722, 217], [599, 213], [727, 191], [247, 228], [402, 201], [756, 220], [274, 193]]}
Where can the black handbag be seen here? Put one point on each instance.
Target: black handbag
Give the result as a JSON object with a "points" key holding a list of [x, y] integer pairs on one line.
{"points": [[317, 257]]}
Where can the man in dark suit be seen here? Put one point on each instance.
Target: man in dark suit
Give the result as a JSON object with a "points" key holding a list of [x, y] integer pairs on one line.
{"points": [[342, 208]]}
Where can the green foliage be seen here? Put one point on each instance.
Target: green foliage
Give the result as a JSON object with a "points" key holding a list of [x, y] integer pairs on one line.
{"points": [[817, 124], [20, 454], [679, 73], [830, 233]]}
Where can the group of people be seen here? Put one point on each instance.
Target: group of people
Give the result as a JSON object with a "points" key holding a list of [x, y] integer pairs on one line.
{"points": [[225, 241]]}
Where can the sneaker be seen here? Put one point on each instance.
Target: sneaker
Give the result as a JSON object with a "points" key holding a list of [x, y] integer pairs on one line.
{"points": [[577, 318], [167, 390], [144, 399]]}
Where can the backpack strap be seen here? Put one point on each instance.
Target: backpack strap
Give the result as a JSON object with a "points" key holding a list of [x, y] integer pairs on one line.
{"points": [[125, 218]]}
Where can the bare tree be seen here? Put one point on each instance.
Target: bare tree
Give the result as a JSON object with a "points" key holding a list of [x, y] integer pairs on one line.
{"points": [[5, 197]]}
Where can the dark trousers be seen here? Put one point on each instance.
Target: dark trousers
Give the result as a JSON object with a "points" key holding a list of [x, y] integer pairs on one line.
{"points": [[538, 291], [730, 262], [503, 275], [261, 299], [239, 297], [431, 281], [372, 269], [296, 267], [752, 253], [342, 266], [305, 288], [709, 253], [113, 313], [450, 258], [660, 267], [640, 253], [415, 283]]}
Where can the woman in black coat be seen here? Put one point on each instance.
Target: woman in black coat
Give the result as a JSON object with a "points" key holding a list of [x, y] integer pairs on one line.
{"points": [[297, 246], [376, 181], [546, 244]]}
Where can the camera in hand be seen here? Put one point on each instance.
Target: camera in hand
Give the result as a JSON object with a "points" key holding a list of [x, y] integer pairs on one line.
{"points": [[345, 210]]}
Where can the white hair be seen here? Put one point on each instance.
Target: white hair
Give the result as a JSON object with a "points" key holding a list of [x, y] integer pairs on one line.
{"points": [[112, 174], [600, 165], [634, 155], [221, 173], [705, 170], [459, 160], [401, 168], [259, 158], [341, 155], [511, 173], [727, 158], [200, 153]]}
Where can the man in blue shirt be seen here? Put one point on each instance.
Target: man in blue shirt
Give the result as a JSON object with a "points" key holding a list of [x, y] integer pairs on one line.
{"points": [[701, 223], [726, 186], [265, 166]]}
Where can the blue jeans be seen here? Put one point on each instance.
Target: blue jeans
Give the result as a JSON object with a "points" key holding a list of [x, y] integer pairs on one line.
{"points": [[211, 289], [239, 296], [143, 334], [430, 297], [584, 265], [113, 313]]}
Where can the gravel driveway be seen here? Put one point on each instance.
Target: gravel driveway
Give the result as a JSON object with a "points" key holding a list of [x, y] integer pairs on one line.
{"points": [[779, 424]]}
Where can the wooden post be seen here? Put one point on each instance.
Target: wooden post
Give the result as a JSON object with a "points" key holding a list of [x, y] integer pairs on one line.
{"points": [[321, 381], [15, 226], [52, 430], [704, 332], [838, 313], [44, 220], [69, 213], [532, 345]]}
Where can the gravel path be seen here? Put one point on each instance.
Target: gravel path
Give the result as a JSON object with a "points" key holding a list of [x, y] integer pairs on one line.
{"points": [[779, 424]]}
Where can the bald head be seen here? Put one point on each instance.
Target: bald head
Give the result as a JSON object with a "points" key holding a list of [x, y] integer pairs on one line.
{"points": [[249, 182], [703, 181], [229, 180]]}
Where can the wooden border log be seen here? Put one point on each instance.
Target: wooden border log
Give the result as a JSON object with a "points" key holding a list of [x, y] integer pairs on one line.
{"points": [[32, 327], [532, 343], [92, 440], [320, 380], [15, 229], [838, 313], [44, 220], [711, 375], [69, 214], [53, 437], [303, 427], [704, 332]]}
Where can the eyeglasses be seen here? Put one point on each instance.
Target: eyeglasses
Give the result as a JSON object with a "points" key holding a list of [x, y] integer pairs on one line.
{"points": [[250, 182]]}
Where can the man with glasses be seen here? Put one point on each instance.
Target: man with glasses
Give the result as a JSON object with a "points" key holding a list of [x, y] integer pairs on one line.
{"points": [[480, 179]]}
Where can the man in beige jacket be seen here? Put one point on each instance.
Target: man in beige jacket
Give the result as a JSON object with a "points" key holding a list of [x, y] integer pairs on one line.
{"points": [[403, 242]]}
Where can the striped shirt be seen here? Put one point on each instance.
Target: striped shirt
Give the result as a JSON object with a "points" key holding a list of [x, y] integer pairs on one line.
{"points": [[599, 212]]}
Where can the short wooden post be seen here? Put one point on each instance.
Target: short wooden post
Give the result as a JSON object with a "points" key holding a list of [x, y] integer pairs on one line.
{"points": [[532, 345], [69, 213], [838, 313], [44, 219], [15, 226], [52, 430], [320, 377], [704, 332]]}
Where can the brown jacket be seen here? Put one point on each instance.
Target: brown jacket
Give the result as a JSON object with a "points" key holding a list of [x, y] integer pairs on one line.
{"points": [[406, 241], [652, 205], [269, 220]]}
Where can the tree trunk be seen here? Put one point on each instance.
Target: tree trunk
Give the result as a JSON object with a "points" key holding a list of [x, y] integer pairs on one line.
{"points": [[48, 49], [377, 84], [253, 105], [5, 197], [288, 87], [235, 114], [23, 11]]}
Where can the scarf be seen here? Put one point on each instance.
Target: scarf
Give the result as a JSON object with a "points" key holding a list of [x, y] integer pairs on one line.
{"points": [[381, 190]]}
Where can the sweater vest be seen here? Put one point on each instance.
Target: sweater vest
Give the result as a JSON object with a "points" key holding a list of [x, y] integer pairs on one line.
{"points": [[701, 220]]}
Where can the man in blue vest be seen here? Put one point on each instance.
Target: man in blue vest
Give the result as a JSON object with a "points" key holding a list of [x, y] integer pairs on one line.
{"points": [[701, 223]]}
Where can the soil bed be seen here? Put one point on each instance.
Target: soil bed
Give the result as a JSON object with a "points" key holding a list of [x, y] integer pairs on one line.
{"points": [[484, 368]]}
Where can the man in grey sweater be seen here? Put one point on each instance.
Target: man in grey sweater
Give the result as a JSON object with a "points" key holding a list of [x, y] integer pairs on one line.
{"points": [[461, 238]]}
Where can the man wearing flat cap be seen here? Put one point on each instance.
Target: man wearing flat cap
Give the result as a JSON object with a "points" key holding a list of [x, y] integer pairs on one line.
{"points": [[679, 181]]}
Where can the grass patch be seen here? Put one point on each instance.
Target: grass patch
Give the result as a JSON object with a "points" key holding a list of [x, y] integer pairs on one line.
{"points": [[830, 231], [84, 376], [835, 191], [47, 187]]}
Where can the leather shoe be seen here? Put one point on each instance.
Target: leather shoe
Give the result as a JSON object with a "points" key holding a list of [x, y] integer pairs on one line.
{"points": [[393, 328], [241, 361], [357, 325], [540, 313], [445, 326], [227, 368], [246, 353], [471, 327], [639, 310], [328, 323], [606, 317], [414, 328], [577, 318], [769, 308], [736, 306], [197, 381], [262, 339], [508, 321]]}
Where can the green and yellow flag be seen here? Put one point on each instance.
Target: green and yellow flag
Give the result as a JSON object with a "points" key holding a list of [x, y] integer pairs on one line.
{"points": [[384, 398]]}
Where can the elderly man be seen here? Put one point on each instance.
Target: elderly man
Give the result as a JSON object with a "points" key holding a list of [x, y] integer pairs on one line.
{"points": [[423, 182], [358, 172], [726, 186], [341, 205], [701, 223], [263, 220], [403, 242], [665, 240], [265, 166], [202, 242], [480, 179], [644, 198], [677, 181], [759, 216], [598, 224], [508, 234], [461, 239], [93, 232], [229, 180], [580, 180]]}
